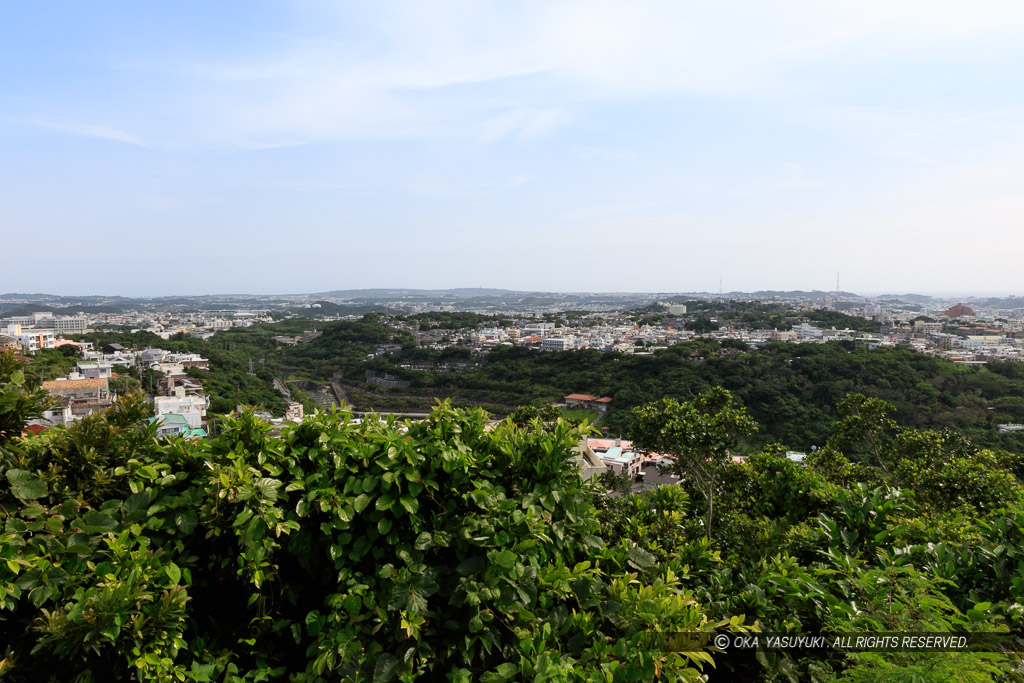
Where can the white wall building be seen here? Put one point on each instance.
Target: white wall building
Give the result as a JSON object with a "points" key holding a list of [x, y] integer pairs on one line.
{"points": [[32, 339], [557, 344], [93, 370], [191, 407]]}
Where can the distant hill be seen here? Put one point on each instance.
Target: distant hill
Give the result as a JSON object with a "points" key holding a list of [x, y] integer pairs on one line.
{"points": [[916, 298], [1001, 302], [460, 293]]}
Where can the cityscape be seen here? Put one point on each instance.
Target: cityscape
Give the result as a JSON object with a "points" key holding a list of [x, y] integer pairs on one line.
{"points": [[545, 342]]}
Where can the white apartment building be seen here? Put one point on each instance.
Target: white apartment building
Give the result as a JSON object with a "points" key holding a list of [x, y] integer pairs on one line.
{"points": [[557, 344], [97, 369], [191, 407], [45, 320], [32, 339]]}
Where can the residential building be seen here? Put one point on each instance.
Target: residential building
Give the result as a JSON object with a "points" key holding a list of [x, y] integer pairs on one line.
{"points": [[588, 461], [191, 407], [171, 424], [621, 460], [294, 413], [587, 401], [167, 385], [80, 390], [93, 370], [189, 360], [31, 339], [557, 344]]}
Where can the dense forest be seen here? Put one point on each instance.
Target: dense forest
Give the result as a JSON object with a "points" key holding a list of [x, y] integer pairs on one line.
{"points": [[792, 390], [445, 549]]}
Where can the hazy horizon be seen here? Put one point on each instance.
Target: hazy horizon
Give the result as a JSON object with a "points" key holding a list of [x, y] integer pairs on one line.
{"points": [[936, 294], [553, 146]]}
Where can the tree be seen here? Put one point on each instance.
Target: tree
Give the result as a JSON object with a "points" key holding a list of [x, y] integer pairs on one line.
{"points": [[436, 550], [524, 415], [699, 434], [865, 429], [18, 404]]}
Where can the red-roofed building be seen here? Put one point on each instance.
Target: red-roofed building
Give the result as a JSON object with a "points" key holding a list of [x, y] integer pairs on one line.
{"points": [[587, 401], [959, 311]]}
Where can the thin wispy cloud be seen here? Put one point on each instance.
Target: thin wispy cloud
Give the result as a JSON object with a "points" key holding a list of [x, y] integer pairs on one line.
{"points": [[523, 123], [752, 133], [605, 153], [86, 130]]}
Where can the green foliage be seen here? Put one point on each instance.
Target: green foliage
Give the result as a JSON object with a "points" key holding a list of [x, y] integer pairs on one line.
{"points": [[698, 434], [524, 415], [18, 404], [456, 549], [864, 429], [338, 551]]}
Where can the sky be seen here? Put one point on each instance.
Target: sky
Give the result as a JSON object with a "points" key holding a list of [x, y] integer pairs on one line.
{"points": [[283, 147]]}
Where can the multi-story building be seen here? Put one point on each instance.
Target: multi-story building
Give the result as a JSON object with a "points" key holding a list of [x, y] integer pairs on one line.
{"points": [[557, 344], [192, 407], [81, 390], [32, 339], [70, 324], [99, 369], [172, 424]]}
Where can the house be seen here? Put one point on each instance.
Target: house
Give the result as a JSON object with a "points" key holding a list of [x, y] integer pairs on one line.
{"points": [[189, 360], [191, 408], [588, 402], [167, 385], [149, 357], [113, 348], [9, 343], [588, 461], [294, 412], [172, 424], [93, 370], [621, 461], [81, 390]]}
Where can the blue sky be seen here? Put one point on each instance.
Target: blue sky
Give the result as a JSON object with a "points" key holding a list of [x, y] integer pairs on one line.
{"points": [[274, 147]]}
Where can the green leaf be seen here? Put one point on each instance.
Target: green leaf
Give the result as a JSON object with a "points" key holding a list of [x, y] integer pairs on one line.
{"points": [[386, 669], [95, 521], [361, 502], [470, 565], [640, 558], [384, 526], [137, 501], [39, 595], [24, 486], [411, 505], [186, 521], [385, 502], [173, 573], [424, 541], [506, 559]]}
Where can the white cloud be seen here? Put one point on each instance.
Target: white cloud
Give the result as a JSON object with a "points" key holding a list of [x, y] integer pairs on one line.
{"points": [[523, 123], [445, 68], [605, 153], [87, 130]]}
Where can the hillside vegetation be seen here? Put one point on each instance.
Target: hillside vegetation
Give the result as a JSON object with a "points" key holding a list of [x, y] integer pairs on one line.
{"points": [[446, 550]]}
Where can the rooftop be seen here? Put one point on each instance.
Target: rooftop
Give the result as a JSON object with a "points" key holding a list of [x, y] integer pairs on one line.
{"points": [[75, 383]]}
